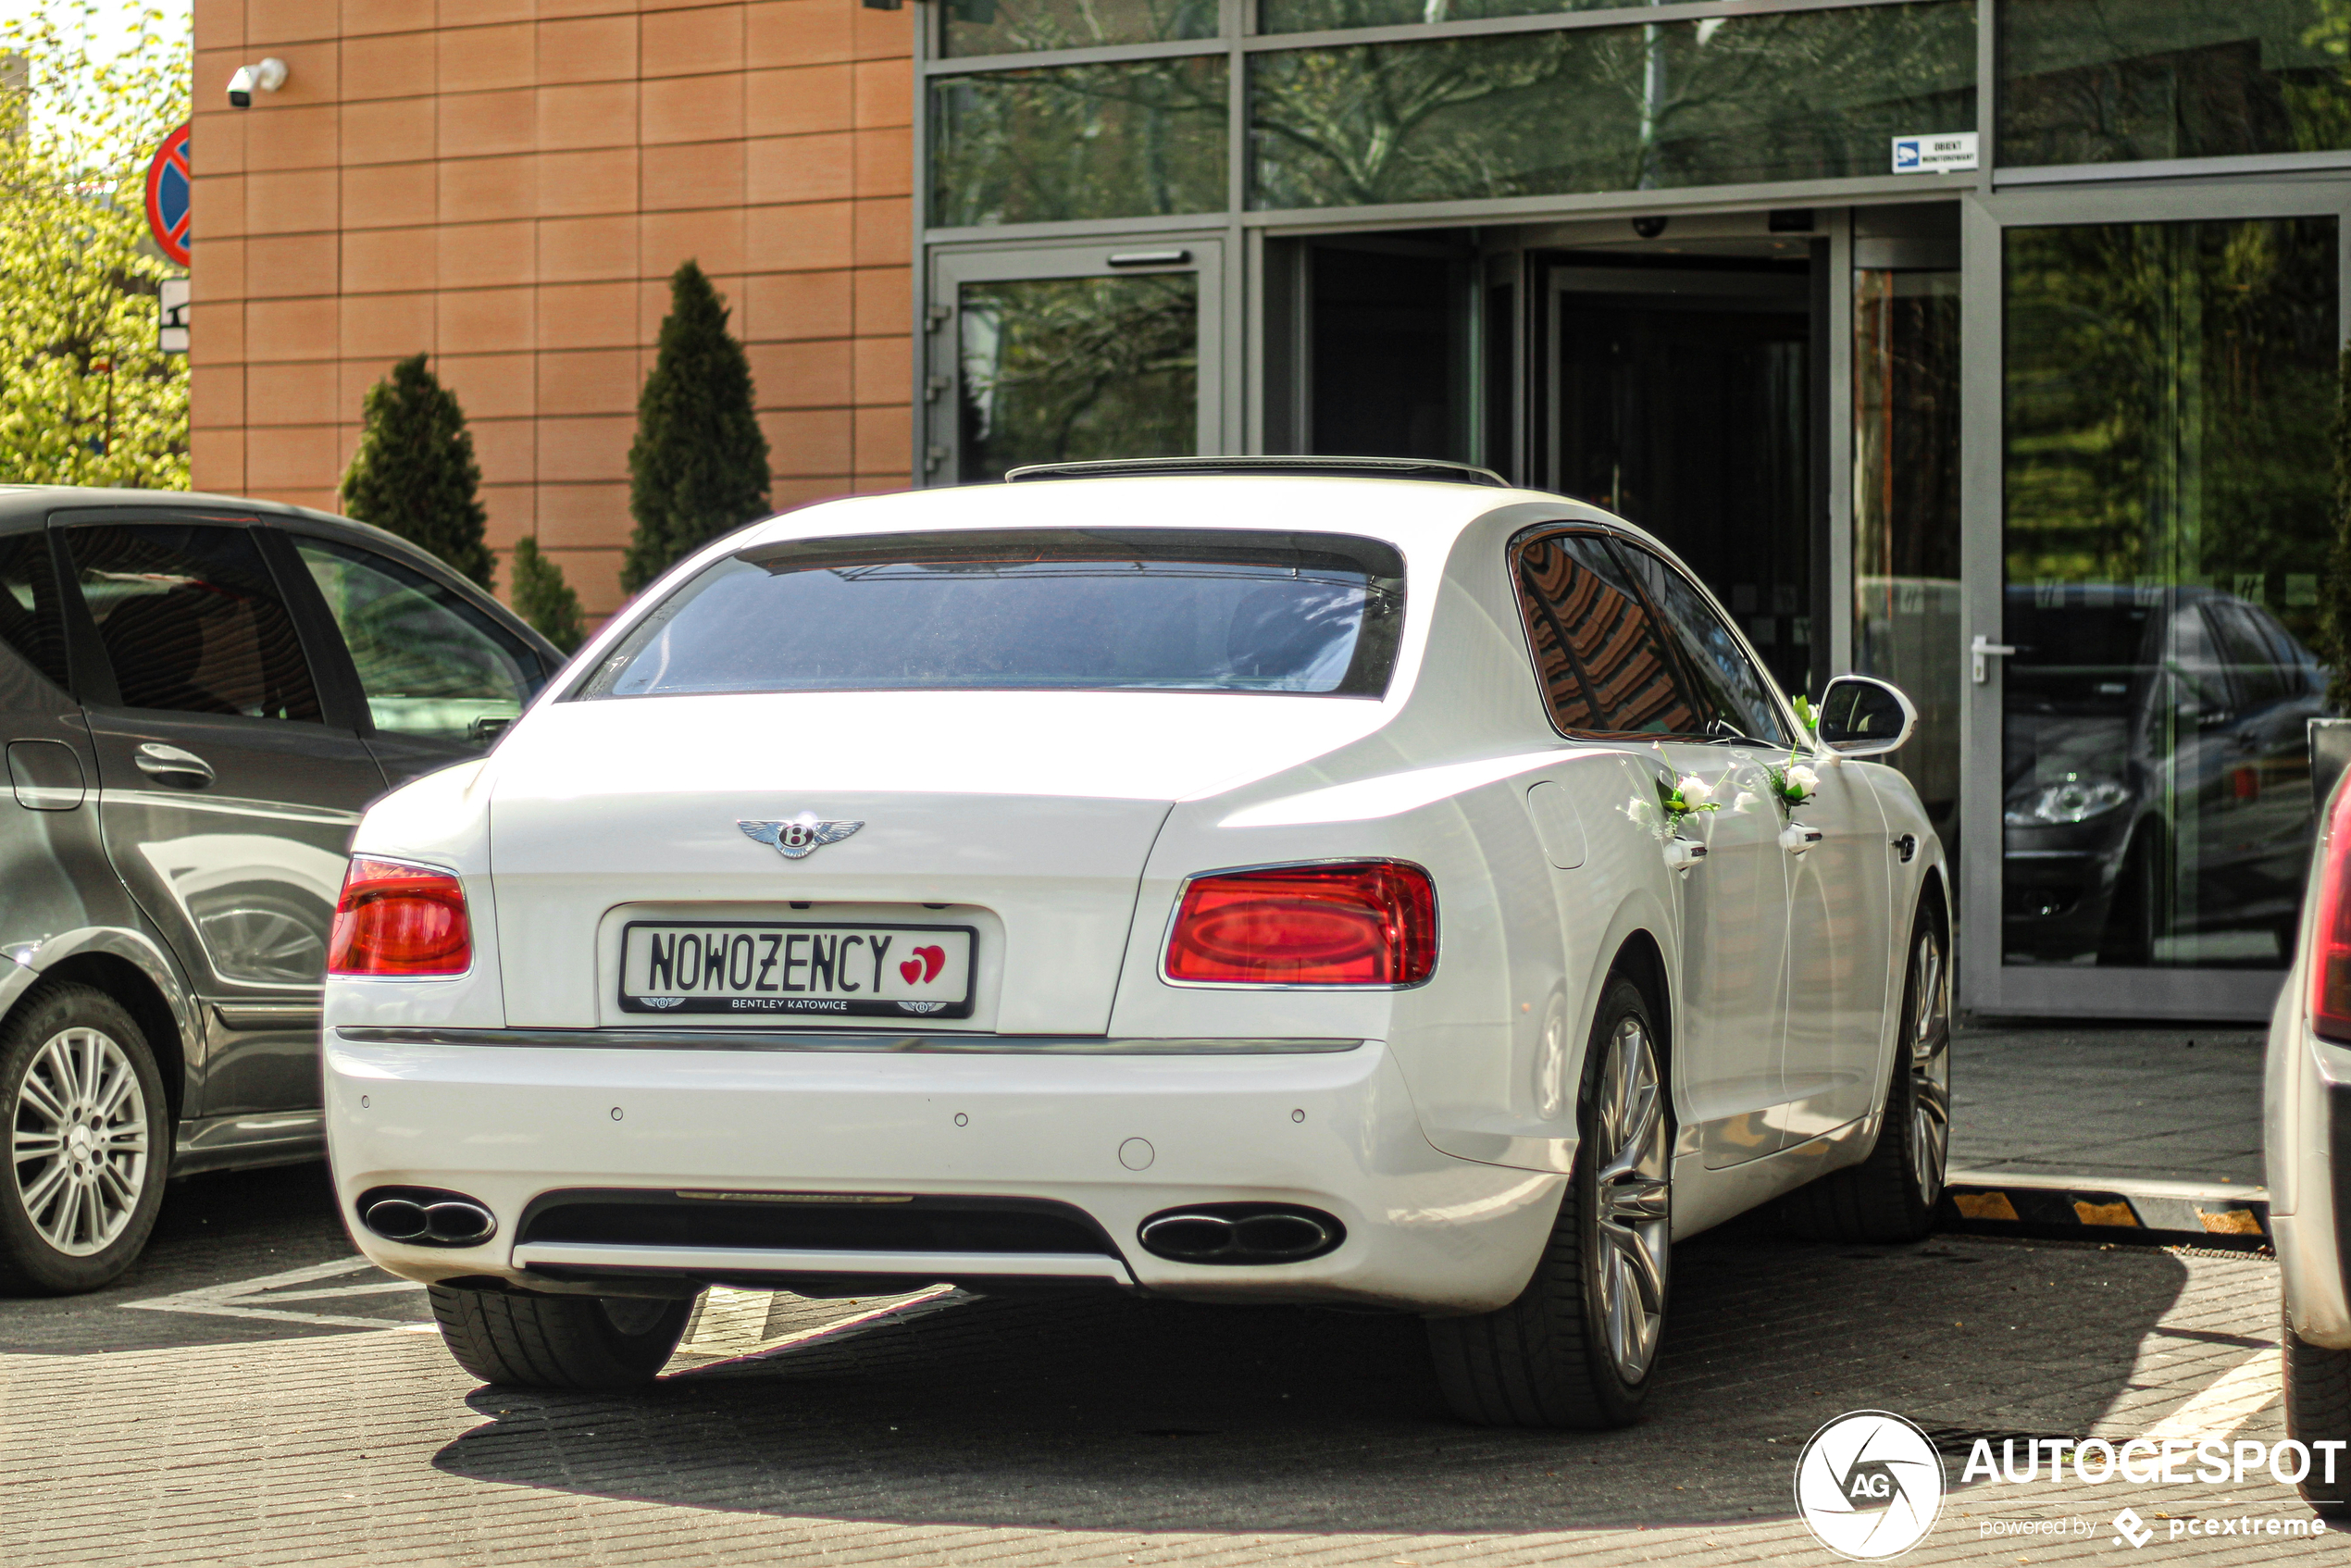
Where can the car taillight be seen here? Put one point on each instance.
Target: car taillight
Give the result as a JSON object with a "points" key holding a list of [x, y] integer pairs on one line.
{"points": [[396, 918], [2331, 928], [1372, 923]]}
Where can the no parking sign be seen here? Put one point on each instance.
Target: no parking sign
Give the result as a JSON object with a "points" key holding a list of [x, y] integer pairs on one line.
{"points": [[168, 191]]}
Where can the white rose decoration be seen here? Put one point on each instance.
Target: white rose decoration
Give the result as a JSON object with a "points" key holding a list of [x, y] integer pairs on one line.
{"points": [[1803, 777], [1695, 790]]}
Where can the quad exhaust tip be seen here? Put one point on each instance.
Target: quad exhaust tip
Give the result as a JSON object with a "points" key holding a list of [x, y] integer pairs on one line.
{"points": [[428, 1219], [1241, 1234]]}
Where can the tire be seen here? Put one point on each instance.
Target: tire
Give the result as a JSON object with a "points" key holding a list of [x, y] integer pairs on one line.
{"points": [[559, 1341], [1557, 1356], [1891, 1196], [90, 1136], [2318, 1408]]}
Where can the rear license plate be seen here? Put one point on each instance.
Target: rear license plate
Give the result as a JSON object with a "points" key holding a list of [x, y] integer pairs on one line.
{"points": [[745, 967]]}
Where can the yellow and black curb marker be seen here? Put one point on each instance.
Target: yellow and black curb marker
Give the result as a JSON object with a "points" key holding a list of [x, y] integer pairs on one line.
{"points": [[2152, 1213]]}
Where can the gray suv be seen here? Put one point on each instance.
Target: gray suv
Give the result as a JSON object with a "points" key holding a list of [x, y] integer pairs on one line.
{"points": [[198, 697]]}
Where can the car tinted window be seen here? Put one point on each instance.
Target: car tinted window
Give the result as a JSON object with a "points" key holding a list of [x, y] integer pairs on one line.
{"points": [[29, 620], [1727, 685], [1605, 665], [1094, 609], [192, 620], [430, 664]]}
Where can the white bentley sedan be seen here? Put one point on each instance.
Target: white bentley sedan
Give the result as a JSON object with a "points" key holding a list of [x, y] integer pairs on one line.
{"points": [[1249, 880]]}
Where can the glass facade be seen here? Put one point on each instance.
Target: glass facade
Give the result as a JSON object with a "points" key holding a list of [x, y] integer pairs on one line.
{"points": [[1675, 263], [1724, 100], [1908, 608], [2113, 80], [1005, 27], [1313, 16], [1128, 140], [1057, 369], [2168, 388]]}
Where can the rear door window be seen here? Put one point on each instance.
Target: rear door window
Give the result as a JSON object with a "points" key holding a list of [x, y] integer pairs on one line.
{"points": [[192, 620], [1723, 679], [1166, 610], [1606, 665]]}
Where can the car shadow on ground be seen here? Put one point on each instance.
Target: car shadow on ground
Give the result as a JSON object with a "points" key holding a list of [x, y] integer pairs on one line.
{"points": [[1112, 1413], [212, 1229]]}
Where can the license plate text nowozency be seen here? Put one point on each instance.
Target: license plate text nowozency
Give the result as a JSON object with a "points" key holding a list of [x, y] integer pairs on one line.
{"points": [[751, 967]]}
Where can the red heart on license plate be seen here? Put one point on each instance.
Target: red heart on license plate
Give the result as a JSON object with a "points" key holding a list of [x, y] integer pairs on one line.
{"points": [[913, 970], [934, 960]]}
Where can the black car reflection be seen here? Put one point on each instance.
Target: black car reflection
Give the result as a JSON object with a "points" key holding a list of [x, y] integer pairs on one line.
{"points": [[2155, 798]]}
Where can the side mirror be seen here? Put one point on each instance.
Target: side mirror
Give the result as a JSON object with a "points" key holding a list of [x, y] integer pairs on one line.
{"points": [[1862, 717]]}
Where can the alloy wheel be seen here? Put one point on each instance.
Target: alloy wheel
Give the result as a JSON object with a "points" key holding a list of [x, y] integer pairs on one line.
{"points": [[1635, 1205], [1930, 1048], [78, 1141]]}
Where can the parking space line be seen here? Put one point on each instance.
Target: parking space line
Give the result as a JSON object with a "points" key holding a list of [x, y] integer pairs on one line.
{"points": [[2228, 1401], [728, 1341], [259, 1298]]}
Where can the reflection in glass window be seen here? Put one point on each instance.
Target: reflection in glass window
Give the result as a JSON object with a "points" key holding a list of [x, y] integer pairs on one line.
{"points": [[192, 620], [1605, 667], [1310, 15], [2168, 391], [1098, 610], [1906, 514], [431, 666], [1797, 95], [2111, 80], [1004, 27], [1725, 680], [1058, 369], [1115, 140]]}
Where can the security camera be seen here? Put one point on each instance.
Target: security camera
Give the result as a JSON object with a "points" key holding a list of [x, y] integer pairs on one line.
{"points": [[269, 76]]}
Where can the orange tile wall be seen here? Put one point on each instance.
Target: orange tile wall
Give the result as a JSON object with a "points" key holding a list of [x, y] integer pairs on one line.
{"points": [[508, 185]]}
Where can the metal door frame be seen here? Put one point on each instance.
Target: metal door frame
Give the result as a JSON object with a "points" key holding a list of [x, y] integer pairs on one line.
{"points": [[938, 367], [1986, 984]]}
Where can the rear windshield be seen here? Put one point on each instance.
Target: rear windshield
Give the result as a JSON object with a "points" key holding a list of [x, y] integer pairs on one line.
{"points": [[1144, 609]]}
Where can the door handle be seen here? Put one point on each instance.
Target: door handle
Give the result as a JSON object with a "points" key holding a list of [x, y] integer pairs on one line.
{"points": [[1684, 855], [1796, 838], [170, 765], [1982, 649]]}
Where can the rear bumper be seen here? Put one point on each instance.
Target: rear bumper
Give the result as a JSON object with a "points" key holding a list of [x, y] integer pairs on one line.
{"points": [[1320, 1123]]}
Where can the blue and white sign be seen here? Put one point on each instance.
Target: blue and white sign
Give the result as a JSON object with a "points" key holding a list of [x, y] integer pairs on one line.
{"points": [[1946, 153]]}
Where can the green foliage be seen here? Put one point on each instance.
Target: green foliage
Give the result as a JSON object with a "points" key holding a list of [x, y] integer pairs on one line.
{"points": [[543, 598], [699, 464], [2335, 586], [86, 398], [414, 472]]}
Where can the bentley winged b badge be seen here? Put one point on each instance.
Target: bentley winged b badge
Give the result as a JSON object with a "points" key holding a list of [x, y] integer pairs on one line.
{"points": [[804, 835]]}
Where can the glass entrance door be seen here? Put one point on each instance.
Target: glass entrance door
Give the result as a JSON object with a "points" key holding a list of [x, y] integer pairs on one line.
{"points": [[1070, 353], [2165, 383]]}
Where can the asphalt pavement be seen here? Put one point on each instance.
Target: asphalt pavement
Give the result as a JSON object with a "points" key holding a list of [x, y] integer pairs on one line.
{"points": [[256, 1394], [2136, 1103]]}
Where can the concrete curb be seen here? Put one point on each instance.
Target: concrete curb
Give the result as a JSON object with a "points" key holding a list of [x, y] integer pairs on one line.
{"points": [[2147, 1214]]}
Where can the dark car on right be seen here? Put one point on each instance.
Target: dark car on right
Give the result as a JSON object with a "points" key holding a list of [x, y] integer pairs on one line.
{"points": [[2156, 802]]}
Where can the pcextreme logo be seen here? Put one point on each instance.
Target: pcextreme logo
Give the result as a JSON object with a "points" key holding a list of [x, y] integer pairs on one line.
{"points": [[1869, 1486]]}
